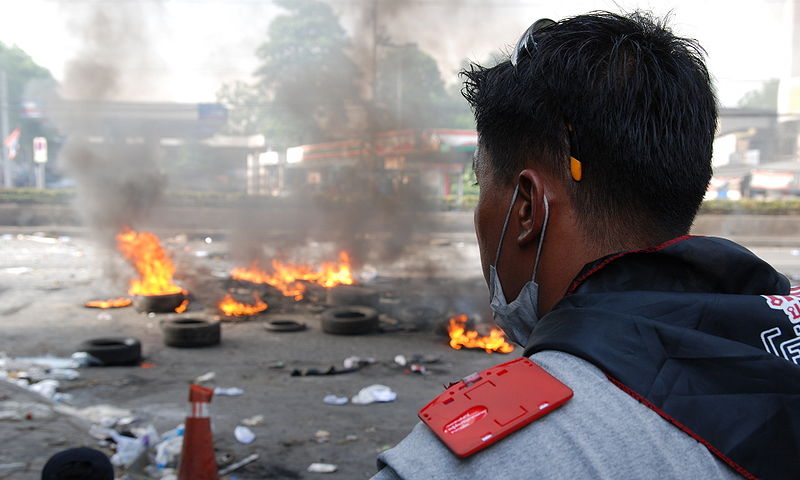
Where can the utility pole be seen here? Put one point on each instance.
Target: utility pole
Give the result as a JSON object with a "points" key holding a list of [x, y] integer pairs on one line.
{"points": [[7, 183]]}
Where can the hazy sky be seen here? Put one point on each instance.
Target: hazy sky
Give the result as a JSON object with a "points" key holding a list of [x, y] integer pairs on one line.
{"points": [[198, 44]]}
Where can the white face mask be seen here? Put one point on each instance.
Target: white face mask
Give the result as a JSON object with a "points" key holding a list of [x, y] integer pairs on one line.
{"points": [[518, 317]]}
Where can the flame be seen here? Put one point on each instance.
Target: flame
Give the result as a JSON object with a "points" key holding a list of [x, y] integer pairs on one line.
{"points": [[289, 277], [144, 252], [112, 303], [183, 306], [461, 337], [231, 308]]}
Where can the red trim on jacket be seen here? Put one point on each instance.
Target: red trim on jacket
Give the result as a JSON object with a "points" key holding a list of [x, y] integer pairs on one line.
{"points": [[578, 281], [738, 468]]}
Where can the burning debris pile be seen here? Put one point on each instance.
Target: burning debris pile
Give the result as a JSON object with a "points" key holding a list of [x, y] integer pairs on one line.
{"points": [[230, 307], [292, 279], [285, 285], [462, 337]]}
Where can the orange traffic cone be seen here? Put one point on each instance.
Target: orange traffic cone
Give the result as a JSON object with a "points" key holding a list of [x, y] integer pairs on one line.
{"points": [[197, 454]]}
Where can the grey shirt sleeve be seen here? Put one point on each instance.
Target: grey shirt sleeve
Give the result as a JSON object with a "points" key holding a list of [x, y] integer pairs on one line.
{"points": [[601, 433]]}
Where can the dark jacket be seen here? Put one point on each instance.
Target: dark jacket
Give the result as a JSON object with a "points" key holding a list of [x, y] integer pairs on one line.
{"points": [[701, 331]]}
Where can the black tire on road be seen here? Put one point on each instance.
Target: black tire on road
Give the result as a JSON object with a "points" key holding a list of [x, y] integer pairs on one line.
{"points": [[158, 303], [284, 325], [350, 320], [345, 295], [113, 351], [190, 332]]}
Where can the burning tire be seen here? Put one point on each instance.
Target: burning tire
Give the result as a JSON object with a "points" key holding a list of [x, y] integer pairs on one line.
{"points": [[345, 295], [349, 320], [190, 332], [113, 351], [158, 303]]}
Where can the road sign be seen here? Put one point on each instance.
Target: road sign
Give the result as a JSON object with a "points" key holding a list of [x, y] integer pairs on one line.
{"points": [[40, 150]]}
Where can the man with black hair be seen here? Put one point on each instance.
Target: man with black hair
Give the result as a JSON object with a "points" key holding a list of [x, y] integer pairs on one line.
{"points": [[594, 155]]}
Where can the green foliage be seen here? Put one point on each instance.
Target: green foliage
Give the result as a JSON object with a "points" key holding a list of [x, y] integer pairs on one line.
{"points": [[306, 75], [410, 92], [20, 70], [765, 97]]}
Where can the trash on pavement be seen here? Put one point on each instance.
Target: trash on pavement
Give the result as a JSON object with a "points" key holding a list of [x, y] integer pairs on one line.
{"points": [[322, 468], [253, 421], [309, 372], [243, 434], [374, 393], [17, 411], [417, 368], [228, 392], [356, 362], [206, 377], [322, 436], [105, 415], [332, 399], [400, 360], [241, 463]]}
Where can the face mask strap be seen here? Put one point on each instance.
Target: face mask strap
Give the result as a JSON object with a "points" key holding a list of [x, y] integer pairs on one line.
{"points": [[541, 237], [505, 225]]}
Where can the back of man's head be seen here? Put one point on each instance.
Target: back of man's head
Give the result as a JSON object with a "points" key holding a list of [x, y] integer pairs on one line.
{"points": [[643, 113]]}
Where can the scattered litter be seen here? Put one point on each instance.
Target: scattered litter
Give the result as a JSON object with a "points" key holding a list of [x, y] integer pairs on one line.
{"points": [[322, 436], [332, 399], [276, 365], [243, 434], [357, 362], [206, 377], [253, 421], [309, 372], [46, 388], [374, 393], [228, 392], [105, 415], [169, 447], [241, 463], [322, 468], [351, 438], [417, 368], [17, 411], [401, 360], [84, 359], [104, 316], [21, 363]]}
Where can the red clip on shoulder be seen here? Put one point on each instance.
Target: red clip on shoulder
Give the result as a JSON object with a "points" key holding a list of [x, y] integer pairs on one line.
{"points": [[484, 407]]}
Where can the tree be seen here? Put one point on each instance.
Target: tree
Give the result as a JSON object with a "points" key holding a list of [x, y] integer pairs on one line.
{"points": [[20, 70], [766, 97], [306, 77]]}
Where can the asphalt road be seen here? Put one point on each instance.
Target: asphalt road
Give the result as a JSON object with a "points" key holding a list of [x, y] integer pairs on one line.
{"points": [[44, 281]]}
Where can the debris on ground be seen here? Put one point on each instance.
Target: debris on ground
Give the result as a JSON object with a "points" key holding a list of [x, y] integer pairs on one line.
{"points": [[228, 391], [253, 421], [322, 468], [322, 436], [332, 399], [237, 465], [243, 434], [314, 372], [357, 362], [206, 377], [374, 393]]}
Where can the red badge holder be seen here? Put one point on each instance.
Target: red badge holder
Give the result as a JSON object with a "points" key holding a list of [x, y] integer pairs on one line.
{"points": [[484, 407]]}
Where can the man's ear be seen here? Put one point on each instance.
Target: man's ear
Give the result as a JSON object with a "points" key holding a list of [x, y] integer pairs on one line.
{"points": [[530, 214]]}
